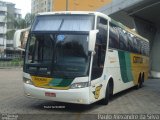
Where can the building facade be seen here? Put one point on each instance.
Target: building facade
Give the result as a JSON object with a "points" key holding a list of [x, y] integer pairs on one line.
{"points": [[77, 5], [7, 11], [38, 6], [3, 26]]}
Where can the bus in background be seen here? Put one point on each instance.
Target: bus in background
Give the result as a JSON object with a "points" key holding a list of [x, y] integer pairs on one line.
{"points": [[82, 57]]}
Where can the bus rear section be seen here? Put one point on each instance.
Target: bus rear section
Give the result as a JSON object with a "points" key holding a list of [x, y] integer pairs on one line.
{"points": [[128, 57]]}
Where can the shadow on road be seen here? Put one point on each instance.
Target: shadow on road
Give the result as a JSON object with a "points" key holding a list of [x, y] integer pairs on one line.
{"points": [[64, 107], [120, 94], [75, 108]]}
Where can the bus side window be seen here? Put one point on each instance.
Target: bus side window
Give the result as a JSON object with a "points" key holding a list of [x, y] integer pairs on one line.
{"points": [[113, 37], [145, 48], [130, 42], [123, 40], [135, 50], [142, 47], [139, 46], [100, 49], [148, 48]]}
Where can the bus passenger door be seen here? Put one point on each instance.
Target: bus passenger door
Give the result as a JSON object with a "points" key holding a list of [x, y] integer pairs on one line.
{"points": [[96, 89], [97, 78]]}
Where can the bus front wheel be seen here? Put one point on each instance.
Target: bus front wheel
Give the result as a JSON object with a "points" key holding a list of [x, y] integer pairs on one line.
{"points": [[107, 95]]}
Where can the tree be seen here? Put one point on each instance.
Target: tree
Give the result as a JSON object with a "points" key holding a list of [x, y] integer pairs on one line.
{"points": [[29, 18], [18, 23]]}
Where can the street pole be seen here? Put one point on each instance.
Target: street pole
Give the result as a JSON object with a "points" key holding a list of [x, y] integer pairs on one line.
{"points": [[66, 5]]}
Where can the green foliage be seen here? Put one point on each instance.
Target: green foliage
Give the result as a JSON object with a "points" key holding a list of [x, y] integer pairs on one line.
{"points": [[10, 34], [13, 63], [18, 23], [16, 60], [29, 18]]}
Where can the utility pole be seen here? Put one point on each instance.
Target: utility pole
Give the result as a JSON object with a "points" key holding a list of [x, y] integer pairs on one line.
{"points": [[66, 5]]}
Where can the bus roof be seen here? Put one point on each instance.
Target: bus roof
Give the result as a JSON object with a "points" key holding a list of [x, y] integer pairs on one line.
{"points": [[71, 12], [95, 13]]}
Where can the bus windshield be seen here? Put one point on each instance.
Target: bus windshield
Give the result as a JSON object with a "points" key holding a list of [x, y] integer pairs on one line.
{"points": [[63, 23], [58, 54]]}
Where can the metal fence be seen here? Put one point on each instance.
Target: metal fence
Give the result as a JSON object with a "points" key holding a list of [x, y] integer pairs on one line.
{"points": [[11, 60]]}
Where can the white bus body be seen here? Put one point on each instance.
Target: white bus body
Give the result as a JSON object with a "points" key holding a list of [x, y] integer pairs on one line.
{"points": [[85, 66]]}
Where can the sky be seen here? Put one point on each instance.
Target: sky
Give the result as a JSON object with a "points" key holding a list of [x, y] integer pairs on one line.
{"points": [[24, 5]]}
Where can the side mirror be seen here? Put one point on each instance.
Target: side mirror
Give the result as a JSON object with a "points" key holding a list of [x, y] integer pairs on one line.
{"points": [[92, 40], [20, 49], [20, 38]]}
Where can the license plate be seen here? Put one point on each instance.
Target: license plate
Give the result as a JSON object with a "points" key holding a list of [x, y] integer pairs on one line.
{"points": [[49, 94]]}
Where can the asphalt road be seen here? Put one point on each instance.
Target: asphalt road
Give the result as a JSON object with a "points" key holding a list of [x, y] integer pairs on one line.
{"points": [[14, 104]]}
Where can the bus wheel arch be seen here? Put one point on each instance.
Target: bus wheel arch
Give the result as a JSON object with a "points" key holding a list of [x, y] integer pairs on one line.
{"points": [[140, 82], [143, 77], [111, 86], [108, 92]]}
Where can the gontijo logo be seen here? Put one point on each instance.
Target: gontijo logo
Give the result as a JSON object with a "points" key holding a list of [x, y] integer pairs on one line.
{"points": [[137, 59]]}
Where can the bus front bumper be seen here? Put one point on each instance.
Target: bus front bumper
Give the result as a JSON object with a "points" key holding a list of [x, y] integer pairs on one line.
{"points": [[78, 96]]}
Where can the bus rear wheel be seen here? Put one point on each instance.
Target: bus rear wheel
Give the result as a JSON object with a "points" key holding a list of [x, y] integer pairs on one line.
{"points": [[140, 82]]}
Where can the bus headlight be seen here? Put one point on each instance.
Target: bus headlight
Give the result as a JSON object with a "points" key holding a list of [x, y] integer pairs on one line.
{"points": [[27, 81], [79, 85]]}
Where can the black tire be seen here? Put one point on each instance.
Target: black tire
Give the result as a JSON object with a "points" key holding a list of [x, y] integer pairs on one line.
{"points": [[107, 96], [140, 82], [142, 79]]}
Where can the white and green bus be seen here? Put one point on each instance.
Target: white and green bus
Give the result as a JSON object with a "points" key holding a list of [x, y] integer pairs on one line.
{"points": [[82, 57]]}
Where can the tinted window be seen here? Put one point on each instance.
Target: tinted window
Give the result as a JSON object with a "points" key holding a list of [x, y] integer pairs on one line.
{"points": [[102, 34], [113, 37], [130, 42], [145, 48], [62, 54], [100, 49], [139, 46], [123, 40]]}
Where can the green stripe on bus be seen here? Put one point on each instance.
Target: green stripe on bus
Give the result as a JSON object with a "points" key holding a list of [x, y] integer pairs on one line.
{"points": [[55, 81], [129, 66], [65, 83], [60, 82], [125, 66]]}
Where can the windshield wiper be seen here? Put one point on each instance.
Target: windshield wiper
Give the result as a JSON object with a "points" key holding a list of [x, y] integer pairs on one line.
{"points": [[61, 25]]}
